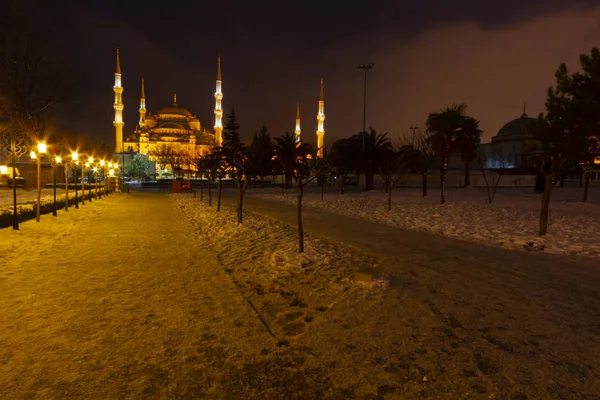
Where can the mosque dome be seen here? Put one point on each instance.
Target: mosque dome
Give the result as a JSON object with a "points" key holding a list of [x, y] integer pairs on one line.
{"points": [[517, 127], [175, 109]]}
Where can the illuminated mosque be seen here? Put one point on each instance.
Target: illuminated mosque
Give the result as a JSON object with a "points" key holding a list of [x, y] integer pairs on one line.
{"points": [[175, 129]]}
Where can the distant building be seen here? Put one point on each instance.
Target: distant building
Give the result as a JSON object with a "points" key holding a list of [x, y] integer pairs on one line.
{"points": [[514, 146]]}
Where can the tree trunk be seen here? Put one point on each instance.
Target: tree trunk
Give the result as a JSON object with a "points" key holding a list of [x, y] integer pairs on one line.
{"points": [[343, 182], [424, 176], [467, 181], [389, 186], [442, 179], [561, 179], [209, 194], [219, 194], [545, 204], [300, 227], [369, 177], [82, 185], [14, 188], [322, 188], [241, 190], [201, 189], [586, 186]]}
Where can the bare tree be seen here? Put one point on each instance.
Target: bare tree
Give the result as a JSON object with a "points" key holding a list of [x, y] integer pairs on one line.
{"points": [[418, 139], [395, 163], [167, 157], [304, 166], [491, 187], [236, 161], [30, 82]]}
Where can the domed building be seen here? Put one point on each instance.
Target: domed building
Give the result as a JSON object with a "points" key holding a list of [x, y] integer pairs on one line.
{"points": [[173, 127], [514, 146], [171, 137]]}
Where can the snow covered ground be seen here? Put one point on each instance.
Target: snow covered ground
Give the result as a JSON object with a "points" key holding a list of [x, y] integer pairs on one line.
{"points": [[124, 298], [511, 221]]}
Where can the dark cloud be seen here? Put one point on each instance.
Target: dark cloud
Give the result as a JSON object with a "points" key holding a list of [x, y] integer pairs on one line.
{"points": [[492, 55]]}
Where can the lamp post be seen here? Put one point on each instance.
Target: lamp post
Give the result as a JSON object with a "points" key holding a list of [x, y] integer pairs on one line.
{"points": [[110, 167], [82, 184], [75, 161], [102, 164], [66, 165], [95, 175], [55, 164], [117, 169], [41, 149], [89, 164], [366, 68]]}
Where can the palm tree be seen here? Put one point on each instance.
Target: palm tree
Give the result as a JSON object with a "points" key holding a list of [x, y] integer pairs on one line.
{"points": [[374, 145], [285, 148], [443, 128], [343, 157], [468, 139]]}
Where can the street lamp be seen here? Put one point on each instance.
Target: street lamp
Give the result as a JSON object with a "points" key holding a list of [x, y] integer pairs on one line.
{"points": [[75, 161], [41, 149], [366, 68], [103, 165], [57, 161], [95, 174], [83, 167]]}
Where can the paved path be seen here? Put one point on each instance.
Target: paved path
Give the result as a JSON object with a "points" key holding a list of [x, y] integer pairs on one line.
{"points": [[115, 300], [527, 318]]}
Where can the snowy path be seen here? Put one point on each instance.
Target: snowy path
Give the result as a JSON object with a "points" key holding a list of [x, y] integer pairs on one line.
{"points": [[124, 298], [527, 321], [118, 300]]}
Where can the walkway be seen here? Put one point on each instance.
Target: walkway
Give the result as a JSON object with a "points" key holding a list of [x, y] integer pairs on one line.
{"points": [[115, 300]]}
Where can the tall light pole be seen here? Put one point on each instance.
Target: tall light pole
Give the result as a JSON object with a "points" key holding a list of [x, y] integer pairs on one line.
{"points": [[366, 68], [41, 149]]}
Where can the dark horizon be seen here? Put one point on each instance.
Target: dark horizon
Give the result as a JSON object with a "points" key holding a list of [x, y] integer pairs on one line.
{"points": [[493, 57]]}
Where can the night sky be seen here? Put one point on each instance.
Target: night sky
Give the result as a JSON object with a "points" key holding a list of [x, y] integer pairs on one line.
{"points": [[427, 54]]}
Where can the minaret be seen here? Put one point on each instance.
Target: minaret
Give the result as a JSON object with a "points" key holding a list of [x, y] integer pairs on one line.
{"points": [[320, 123], [218, 107], [142, 106], [118, 106], [298, 131]]}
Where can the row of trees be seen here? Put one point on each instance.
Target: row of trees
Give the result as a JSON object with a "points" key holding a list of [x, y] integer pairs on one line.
{"points": [[264, 156]]}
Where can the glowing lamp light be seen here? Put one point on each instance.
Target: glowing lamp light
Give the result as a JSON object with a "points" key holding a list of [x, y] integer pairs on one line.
{"points": [[110, 165], [41, 148], [3, 170], [32, 155], [91, 160], [111, 172], [74, 156], [102, 163], [58, 159], [95, 169], [87, 164]]}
